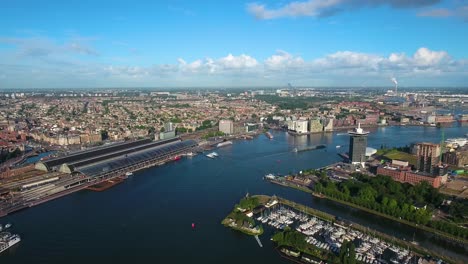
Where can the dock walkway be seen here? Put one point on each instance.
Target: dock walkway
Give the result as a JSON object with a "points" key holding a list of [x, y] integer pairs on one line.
{"points": [[258, 241]]}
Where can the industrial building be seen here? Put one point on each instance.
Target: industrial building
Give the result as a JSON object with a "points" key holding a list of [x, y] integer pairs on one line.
{"points": [[404, 174]]}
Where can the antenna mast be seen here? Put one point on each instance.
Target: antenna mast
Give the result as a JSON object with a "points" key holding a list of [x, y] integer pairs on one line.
{"points": [[442, 141]]}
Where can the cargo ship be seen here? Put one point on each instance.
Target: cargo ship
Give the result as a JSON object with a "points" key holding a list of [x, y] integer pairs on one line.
{"points": [[269, 135], [8, 240], [106, 184]]}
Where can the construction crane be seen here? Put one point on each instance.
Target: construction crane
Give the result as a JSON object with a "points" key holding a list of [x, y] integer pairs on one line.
{"points": [[442, 143]]}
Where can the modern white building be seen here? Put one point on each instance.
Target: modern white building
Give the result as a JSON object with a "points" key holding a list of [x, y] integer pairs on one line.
{"points": [[168, 126], [301, 126], [226, 126]]}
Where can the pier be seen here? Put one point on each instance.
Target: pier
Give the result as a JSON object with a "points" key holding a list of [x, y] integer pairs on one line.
{"points": [[258, 241]]}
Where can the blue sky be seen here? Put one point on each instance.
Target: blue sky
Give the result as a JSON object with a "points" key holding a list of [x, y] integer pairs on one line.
{"points": [[233, 43]]}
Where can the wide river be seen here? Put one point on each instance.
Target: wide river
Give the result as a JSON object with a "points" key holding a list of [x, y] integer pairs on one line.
{"points": [[147, 219]]}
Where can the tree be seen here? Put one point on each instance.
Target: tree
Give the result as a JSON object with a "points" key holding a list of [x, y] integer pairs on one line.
{"points": [[352, 253], [367, 194], [347, 253]]}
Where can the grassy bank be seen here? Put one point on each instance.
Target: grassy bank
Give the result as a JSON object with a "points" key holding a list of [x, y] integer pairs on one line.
{"points": [[391, 154], [238, 220], [422, 227]]}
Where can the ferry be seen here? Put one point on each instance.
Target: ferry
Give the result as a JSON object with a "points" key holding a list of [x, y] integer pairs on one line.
{"points": [[8, 240], [212, 155], [225, 143], [270, 176]]}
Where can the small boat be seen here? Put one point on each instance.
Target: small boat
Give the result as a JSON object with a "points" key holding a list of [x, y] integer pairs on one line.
{"points": [[7, 225], [224, 143], [177, 158], [212, 155], [193, 225], [338, 146], [129, 173], [294, 150], [1, 227]]}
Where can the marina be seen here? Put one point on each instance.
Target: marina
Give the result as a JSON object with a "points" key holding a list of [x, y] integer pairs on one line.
{"points": [[7, 239], [330, 236], [326, 232]]}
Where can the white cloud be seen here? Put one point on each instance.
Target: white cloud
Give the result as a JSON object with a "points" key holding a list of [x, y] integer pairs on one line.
{"points": [[240, 62], [458, 11], [282, 60], [427, 57], [349, 59], [338, 68], [293, 9], [321, 8], [438, 12], [40, 47], [225, 64]]}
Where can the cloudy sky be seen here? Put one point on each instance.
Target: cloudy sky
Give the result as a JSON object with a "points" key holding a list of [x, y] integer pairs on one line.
{"points": [[70, 44]]}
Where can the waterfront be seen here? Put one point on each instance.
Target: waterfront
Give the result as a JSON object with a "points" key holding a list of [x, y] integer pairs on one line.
{"points": [[149, 216]]}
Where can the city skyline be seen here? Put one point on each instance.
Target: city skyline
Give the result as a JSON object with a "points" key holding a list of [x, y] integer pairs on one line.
{"points": [[239, 43]]}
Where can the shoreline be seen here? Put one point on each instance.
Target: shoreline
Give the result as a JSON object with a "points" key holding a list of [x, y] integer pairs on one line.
{"points": [[402, 221], [349, 224]]}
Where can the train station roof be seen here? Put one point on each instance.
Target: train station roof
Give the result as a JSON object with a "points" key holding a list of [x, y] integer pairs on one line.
{"points": [[122, 161], [81, 155]]}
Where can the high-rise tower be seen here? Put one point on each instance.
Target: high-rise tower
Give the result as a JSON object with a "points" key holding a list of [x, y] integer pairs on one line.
{"points": [[357, 144], [427, 156]]}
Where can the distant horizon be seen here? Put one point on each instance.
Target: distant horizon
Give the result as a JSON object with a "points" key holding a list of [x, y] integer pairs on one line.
{"points": [[285, 87]]}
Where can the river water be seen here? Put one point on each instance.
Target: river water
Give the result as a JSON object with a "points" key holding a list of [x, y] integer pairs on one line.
{"points": [[147, 219]]}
